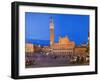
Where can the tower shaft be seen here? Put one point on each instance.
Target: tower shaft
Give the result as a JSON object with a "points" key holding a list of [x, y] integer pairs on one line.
{"points": [[51, 32]]}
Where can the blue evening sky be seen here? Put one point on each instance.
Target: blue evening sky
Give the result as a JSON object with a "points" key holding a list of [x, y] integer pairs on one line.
{"points": [[75, 27]]}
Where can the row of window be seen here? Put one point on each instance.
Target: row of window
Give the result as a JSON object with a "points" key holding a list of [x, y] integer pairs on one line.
{"points": [[63, 52]]}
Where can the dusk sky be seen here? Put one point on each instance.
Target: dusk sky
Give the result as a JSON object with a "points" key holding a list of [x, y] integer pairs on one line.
{"points": [[75, 27]]}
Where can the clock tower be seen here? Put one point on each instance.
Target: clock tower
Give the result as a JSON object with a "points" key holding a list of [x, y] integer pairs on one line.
{"points": [[51, 32]]}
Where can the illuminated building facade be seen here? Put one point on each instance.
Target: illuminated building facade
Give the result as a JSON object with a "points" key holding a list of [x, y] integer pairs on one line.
{"points": [[29, 48], [64, 46], [81, 50]]}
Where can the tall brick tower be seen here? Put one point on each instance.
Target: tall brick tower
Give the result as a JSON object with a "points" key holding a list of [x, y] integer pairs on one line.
{"points": [[51, 32]]}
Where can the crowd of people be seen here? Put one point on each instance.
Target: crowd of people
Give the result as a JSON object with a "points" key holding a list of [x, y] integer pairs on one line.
{"points": [[30, 59]]}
